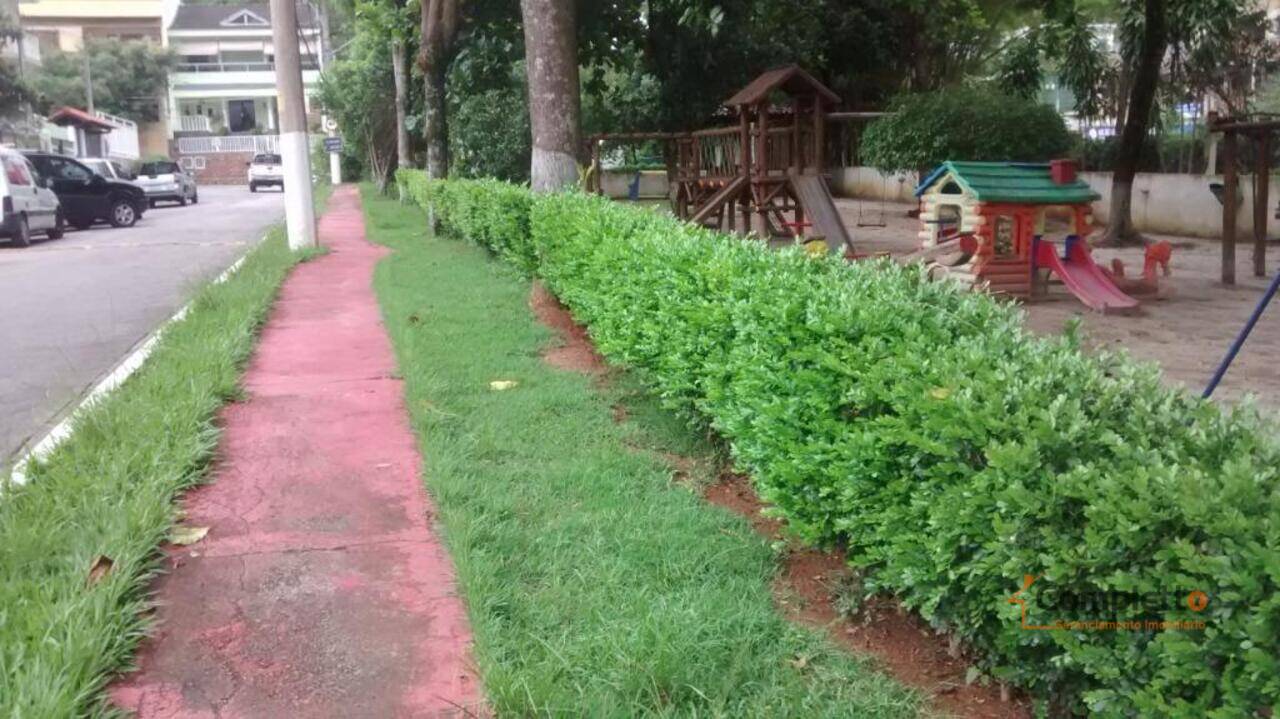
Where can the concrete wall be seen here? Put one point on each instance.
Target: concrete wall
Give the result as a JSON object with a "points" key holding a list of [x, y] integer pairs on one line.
{"points": [[653, 184], [1162, 203]]}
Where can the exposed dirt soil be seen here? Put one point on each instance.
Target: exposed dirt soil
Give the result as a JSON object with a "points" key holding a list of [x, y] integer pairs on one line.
{"points": [[575, 352], [810, 580], [1186, 331], [808, 592]]}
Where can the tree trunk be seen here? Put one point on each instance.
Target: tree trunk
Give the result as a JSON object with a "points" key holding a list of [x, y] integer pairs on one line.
{"points": [[398, 71], [436, 121], [439, 29], [1146, 78], [551, 59]]}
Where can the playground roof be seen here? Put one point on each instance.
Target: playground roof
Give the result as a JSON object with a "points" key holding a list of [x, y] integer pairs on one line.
{"points": [[1017, 182], [790, 79]]}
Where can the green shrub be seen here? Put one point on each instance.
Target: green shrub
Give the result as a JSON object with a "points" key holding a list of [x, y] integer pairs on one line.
{"points": [[949, 451], [964, 123]]}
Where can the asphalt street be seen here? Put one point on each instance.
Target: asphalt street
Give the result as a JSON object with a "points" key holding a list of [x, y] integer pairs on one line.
{"points": [[71, 309]]}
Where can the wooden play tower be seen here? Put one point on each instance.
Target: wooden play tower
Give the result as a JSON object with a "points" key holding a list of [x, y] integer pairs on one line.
{"points": [[763, 175]]}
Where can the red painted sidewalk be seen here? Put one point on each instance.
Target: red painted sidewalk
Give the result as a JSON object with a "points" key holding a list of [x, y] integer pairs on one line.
{"points": [[322, 589]]}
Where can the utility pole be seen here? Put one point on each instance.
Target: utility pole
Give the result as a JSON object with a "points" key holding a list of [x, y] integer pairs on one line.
{"points": [[295, 152], [88, 79]]}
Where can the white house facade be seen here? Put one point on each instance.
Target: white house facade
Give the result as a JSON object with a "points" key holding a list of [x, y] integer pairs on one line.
{"points": [[222, 92]]}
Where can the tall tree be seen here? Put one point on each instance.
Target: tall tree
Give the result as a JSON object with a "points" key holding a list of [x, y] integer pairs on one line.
{"points": [[1152, 45], [399, 73], [555, 104], [439, 36]]}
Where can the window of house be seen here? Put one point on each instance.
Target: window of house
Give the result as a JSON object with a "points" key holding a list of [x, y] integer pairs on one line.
{"points": [[1005, 239]]}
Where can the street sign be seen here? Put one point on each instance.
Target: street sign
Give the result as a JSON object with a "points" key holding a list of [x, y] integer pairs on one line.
{"points": [[333, 144]]}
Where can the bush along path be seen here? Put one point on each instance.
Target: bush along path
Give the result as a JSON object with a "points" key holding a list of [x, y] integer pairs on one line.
{"points": [[596, 586], [958, 459], [320, 588]]}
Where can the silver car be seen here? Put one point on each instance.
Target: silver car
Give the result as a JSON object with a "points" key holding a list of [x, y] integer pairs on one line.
{"points": [[109, 169], [166, 181]]}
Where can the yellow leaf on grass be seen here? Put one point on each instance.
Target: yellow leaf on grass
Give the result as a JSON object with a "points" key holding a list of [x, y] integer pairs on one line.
{"points": [[185, 535], [940, 392], [99, 568], [500, 384]]}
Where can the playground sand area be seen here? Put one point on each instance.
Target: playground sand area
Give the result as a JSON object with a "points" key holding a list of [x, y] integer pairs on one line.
{"points": [[1187, 330]]}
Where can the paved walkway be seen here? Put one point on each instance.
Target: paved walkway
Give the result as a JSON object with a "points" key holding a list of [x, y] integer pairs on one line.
{"points": [[321, 589]]}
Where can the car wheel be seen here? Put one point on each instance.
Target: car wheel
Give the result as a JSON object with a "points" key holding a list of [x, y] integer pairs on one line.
{"points": [[253, 187], [152, 203], [182, 200], [195, 197], [123, 214], [59, 227], [21, 232]]}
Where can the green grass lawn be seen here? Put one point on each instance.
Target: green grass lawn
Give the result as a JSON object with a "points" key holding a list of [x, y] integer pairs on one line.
{"points": [[109, 491], [596, 585]]}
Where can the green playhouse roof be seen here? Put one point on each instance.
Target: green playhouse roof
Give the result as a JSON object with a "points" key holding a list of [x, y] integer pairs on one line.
{"points": [[1017, 182]]}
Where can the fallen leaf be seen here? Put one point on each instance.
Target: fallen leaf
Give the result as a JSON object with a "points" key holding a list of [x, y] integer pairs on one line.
{"points": [[99, 568], [500, 384], [940, 392], [185, 535]]}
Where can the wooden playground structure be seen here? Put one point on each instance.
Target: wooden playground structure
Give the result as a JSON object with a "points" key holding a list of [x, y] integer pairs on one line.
{"points": [[1257, 131], [763, 175]]}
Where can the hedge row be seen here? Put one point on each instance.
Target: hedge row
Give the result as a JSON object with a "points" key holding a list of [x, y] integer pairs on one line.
{"points": [[950, 452]]}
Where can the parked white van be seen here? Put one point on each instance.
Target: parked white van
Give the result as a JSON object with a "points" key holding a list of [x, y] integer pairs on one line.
{"points": [[26, 205]]}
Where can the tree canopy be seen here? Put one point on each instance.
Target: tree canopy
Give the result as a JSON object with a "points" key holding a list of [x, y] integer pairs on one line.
{"points": [[128, 77]]}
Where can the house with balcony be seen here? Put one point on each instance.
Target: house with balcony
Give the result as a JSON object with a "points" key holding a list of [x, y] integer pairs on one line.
{"points": [[222, 92]]}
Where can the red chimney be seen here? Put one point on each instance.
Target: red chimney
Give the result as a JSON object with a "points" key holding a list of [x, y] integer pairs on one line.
{"points": [[1062, 171]]}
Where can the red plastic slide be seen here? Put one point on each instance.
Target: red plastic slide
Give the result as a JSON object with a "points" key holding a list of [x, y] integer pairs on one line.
{"points": [[1084, 278]]}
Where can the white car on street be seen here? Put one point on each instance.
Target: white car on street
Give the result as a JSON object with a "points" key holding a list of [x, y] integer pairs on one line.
{"points": [[265, 170], [26, 205], [165, 180]]}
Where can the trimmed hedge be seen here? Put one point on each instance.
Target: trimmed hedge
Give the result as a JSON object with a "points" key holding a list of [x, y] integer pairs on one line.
{"points": [[948, 450]]}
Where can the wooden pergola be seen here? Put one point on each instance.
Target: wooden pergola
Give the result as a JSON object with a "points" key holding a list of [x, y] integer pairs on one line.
{"points": [[1256, 130]]}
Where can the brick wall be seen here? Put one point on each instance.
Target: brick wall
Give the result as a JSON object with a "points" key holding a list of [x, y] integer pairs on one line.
{"points": [[215, 168]]}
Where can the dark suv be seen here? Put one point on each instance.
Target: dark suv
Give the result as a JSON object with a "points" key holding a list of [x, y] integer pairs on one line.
{"points": [[86, 196]]}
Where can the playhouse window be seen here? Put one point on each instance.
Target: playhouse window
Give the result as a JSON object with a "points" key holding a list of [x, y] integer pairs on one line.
{"points": [[948, 221], [1059, 222], [1005, 245], [950, 188]]}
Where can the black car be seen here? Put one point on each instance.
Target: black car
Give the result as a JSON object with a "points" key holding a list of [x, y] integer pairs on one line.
{"points": [[85, 195]]}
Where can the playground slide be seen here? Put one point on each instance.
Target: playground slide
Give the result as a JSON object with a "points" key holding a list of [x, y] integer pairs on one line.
{"points": [[712, 206], [820, 209], [1084, 278]]}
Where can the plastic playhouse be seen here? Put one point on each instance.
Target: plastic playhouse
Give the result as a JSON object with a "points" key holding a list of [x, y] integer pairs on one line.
{"points": [[1002, 223]]}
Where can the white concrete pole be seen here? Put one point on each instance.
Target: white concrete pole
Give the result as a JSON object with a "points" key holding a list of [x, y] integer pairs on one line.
{"points": [[295, 153], [335, 158]]}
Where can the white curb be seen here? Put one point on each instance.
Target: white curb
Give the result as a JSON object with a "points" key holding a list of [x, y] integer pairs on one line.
{"points": [[122, 371]]}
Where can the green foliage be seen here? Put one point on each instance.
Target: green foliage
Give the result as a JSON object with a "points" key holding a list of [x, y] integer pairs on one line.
{"points": [[489, 134], [129, 77], [966, 123], [358, 91], [595, 585], [109, 490], [950, 451]]}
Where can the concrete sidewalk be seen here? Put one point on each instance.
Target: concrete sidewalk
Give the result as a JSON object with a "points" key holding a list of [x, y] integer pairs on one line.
{"points": [[321, 589]]}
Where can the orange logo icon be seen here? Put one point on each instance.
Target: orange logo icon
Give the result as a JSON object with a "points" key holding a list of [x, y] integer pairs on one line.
{"points": [[1197, 601]]}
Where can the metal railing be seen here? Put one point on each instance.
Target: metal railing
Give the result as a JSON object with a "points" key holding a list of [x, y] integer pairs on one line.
{"points": [[194, 123], [228, 143], [262, 66]]}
